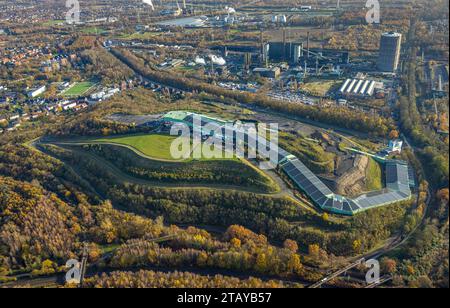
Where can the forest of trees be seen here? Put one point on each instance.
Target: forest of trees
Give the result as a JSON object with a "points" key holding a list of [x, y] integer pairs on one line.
{"points": [[432, 151], [197, 249], [35, 226], [100, 63], [312, 154], [151, 279]]}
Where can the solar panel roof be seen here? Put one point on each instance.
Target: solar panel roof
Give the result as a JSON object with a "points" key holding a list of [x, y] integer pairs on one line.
{"points": [[397, 188]]}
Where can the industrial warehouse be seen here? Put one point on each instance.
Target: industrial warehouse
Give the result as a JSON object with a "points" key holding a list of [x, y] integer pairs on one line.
{"points": [[360, 87], [398, 176]]}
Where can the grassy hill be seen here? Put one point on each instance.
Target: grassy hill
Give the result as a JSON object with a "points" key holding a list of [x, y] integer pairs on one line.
{"points": [[225, 172], [152, 145]]}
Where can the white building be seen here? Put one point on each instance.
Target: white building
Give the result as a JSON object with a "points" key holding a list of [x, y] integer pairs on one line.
{"points": [[68, 105], [360, 87], [395, 146], [14, 117], [36, 92]]}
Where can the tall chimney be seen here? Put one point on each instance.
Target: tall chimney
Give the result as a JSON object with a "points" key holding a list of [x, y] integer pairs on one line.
{"points": [[307, 45]]}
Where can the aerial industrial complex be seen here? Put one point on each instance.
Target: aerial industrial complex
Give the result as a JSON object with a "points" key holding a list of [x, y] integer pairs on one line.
{"points": [[248, 144]]}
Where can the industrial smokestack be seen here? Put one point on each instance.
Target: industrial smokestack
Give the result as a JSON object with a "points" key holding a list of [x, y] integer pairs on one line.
{"points": [[307, 45], [263, 51]]}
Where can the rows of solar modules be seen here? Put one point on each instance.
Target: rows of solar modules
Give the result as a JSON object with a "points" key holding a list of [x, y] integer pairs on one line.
{"points": [[397, 188]]}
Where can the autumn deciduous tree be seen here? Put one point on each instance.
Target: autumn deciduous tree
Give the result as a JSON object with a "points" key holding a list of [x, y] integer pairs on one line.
{"points": [[94, 252], [313, 250], [394, 134], [443, 202], [294, 264], [48, 267], [388, 265], [291, 245], [235, 243], [202, 259], [149, 279], [261, 263], [357, 245]]}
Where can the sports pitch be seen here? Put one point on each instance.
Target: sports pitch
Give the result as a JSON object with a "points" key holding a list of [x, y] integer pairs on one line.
{"points": [[80, 88]]}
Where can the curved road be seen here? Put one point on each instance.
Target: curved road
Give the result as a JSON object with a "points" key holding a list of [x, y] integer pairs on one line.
{"points": [[124, 177]]}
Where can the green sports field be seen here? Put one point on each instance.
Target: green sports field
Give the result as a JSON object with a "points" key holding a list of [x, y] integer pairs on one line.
{"points": [[79, 88]]}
